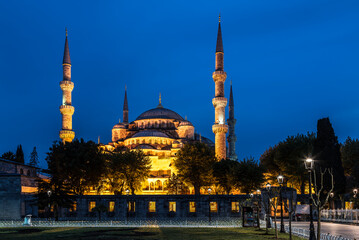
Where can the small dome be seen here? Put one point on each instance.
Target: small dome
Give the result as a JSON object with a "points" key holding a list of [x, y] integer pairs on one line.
{"points": [[176, 142], [160, 112], [146, 146], [119, 126], [150, 133], [185, 123]]}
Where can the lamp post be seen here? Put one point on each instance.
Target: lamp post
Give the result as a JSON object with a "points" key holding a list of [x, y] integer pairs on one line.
{"points": [[127, 206], [49, 192], [280, 179], [309, 165], [258, 204], [355, 191], [268, 186], [209, 205], [332, 199]]}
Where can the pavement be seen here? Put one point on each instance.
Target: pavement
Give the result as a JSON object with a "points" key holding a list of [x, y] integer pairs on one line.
{"points": [[336, 229]]}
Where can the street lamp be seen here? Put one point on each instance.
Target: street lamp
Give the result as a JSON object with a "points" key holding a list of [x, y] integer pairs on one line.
{"points": [[280, 179], [355, 191], [49, 192], [258, 204], [209, 205], [268, 186], [309, 165], [127, 206]]}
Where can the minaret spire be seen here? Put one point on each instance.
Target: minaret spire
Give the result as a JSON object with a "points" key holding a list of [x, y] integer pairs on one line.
{"points": [[160, 102], [219, 101], [67, 110], [231, 123], [125, 107]]}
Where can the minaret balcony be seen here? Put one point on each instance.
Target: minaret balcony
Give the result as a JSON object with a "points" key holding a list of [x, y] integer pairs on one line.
{"points": [[219, 76], [66, 85], [219, 128], [67, 135], [219, 102], [67, 110]]}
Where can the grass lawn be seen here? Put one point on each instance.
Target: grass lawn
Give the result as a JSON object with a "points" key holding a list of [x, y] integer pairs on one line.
{"points": [[113, 233]]}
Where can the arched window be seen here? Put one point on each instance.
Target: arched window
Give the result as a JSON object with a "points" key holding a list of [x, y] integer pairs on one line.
{"points": [[152, 186], [28, 172], [21, 171], [158, 185]]}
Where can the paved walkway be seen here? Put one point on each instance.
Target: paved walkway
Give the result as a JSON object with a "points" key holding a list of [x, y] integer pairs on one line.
{"points": [[344, 230]]}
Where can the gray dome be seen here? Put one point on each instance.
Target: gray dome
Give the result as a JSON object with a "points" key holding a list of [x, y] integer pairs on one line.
{"points": [[160, 112], [150, 133], [119, 125], [185, 123]]}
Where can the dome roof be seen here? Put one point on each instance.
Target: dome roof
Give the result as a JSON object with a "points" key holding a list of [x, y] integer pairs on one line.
{"points": [[150, 133], [119, 125], [160, 112], [185, 123]]}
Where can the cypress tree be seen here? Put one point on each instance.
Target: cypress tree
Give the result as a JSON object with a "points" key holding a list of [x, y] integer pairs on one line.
{"points": [[19, 156], [327, 155]]}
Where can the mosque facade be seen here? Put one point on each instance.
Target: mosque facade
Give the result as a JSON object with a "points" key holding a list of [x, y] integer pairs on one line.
{"points": [[159, 132]]}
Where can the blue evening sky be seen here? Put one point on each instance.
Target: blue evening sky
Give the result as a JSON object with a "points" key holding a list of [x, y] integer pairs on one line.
{"points": [[291, 63]]}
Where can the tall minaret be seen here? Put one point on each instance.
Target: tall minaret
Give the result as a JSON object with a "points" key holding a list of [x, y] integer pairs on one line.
{"points": [[231, 123], [66, 109], [219, 101], [125, 108]]}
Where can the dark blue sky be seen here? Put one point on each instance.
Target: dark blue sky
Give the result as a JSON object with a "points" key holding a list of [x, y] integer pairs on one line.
{"points": [[291, 63]]}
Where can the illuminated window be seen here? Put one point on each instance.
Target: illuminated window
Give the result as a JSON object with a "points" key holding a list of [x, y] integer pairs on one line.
{"points": [[111, 206], [213, 206], [235, 207], [73, 208], [172, 206], [92, 205], [152, 206], [192, 206], [158, 185], [131, 206]]}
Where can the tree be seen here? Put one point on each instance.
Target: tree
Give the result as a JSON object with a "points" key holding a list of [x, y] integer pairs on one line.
{"points": [[9, 156], [327, 156], [321, 196], [249, 175], [128, 169], [350, 158], [34, 158], [78, 163], [19, 156], [194, 163], [287, 157], [225, 174], [176, 186]]}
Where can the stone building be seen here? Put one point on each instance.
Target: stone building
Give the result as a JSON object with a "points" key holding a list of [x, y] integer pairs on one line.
{"points": [[17, 188], [159, 132]]}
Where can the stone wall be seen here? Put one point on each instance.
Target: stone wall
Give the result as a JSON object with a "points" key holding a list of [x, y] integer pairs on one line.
{"points": [[10, 196]]}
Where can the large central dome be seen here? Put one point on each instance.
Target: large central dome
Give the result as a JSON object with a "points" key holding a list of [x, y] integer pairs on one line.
{"points": [[160, 112]]}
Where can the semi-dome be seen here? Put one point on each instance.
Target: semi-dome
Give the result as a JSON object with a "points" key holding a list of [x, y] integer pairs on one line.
{"points": [[160, 112], [150, 133], [120, 126], [185, 123]]}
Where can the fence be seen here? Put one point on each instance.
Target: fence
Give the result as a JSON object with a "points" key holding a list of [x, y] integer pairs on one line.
{"points": [[341, 215], [304, 233]]}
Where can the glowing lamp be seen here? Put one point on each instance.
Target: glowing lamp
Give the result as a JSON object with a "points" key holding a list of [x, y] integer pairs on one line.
{"points": [[309, 164], [280, 179], [268, 186]]}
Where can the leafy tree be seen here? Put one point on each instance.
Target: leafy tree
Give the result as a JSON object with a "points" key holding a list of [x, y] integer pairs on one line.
{"points": [[19, 155], [60, 196], [194, 163], [78, 163], [9, 156], [287, 158], [350, 159], [225, 174], [327, 156], [176, 186], [34, 158], [127, 169], [249, 175]]}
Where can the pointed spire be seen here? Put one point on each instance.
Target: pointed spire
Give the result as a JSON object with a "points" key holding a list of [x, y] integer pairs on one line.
{"points": [[231, 102], [125, 103], [160, 102], [219, 47], [66, 59]]}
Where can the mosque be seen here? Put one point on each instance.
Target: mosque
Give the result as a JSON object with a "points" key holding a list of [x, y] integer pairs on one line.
{"points": [[160, 132]]}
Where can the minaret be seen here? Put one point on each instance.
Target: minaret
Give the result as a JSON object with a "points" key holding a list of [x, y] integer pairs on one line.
{"points": [[66, 109], [125, 108], [231, 123], [219, 101]]}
